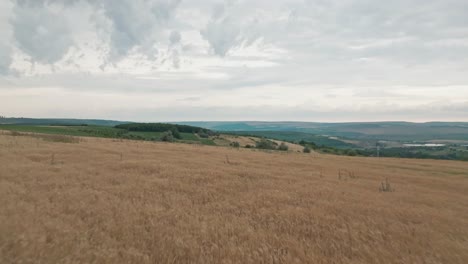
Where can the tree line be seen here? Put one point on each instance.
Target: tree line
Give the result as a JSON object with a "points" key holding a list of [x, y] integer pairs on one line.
{"points": [[174, 129]]}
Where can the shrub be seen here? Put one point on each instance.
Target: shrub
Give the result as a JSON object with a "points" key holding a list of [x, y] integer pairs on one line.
{"points": [[283, 147], [175, 133], [167, 136], [385, 186], [235, 144], [350, 152], [265, 144], [203, 134], [248, 146], [306, 150]]}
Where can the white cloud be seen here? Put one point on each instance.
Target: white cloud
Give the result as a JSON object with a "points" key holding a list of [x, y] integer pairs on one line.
{"points": [[262, 59]]}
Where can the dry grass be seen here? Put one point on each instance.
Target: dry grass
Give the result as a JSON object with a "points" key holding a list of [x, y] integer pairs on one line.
{"points": [[227, 139], [291, 146], [107, 201], [45, 137]]}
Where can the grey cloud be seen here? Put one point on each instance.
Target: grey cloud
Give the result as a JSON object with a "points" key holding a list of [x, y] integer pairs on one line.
{"points": [[365, 47], [442, 106], [5, 59], [218, 11], [113, 83], [222, 35], [40, 32], [191, 99], [325, 29], [281, 113], [377, 93], [231, 25], [397, 30], [136, 24], [43, 32], [42, 3], [175, 37], [175, 59]]}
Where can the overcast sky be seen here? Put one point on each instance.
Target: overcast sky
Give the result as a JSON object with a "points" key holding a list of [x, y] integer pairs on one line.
{"points": [[176, 60]]}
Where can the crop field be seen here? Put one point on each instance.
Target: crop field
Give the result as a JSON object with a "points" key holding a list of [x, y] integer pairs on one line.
{"points": [[100, 131], [98, 200]]}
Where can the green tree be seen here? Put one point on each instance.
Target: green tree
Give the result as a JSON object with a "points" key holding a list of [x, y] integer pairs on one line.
{"points": [[175, 133], [283, 147], [265, 144], [167, 136]]}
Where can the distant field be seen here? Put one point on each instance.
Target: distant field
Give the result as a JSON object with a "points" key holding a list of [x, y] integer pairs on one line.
{"points": [[323, 144], [98, 200], [112, 132], [99, 131], [296, 137]]}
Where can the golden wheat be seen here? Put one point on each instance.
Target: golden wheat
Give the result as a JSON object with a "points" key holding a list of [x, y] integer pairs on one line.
{"points": [[116, 201]]}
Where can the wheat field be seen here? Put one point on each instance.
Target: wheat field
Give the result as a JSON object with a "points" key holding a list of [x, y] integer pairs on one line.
{"points": [[110, 201]]}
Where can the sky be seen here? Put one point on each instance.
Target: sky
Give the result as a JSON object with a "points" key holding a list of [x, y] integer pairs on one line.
{"points": [[213, 60]]}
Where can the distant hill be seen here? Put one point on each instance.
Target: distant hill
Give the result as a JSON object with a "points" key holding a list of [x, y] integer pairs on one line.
{"points": [[292, 136], [162, 127], [362, 131], [58, 121], [435, 140], [401, 131]]}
